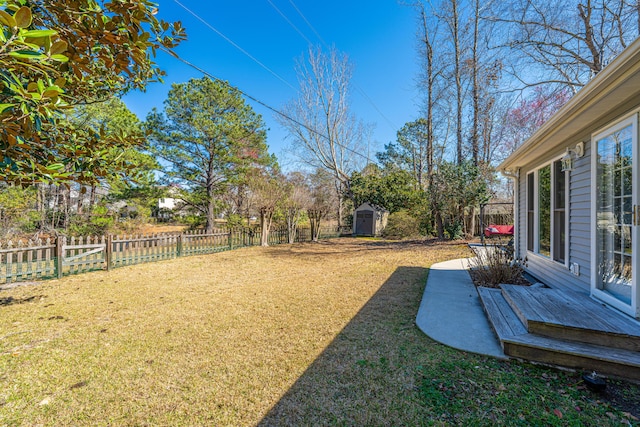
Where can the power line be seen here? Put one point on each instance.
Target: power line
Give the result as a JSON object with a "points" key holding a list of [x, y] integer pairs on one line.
{"points": [[308, 23], [234, 44], [264, 104], [256, 100], [290, 23]]}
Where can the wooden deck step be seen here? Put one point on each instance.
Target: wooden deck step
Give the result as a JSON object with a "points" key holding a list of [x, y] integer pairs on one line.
{"points": [[501, 316], [568, 315], [571, 354], [517, 342]]}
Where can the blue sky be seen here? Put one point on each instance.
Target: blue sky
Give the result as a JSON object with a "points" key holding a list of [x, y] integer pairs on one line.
{"points": [[379, 37]]}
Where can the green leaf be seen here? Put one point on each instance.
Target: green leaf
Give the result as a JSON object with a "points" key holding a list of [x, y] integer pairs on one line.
{"points": [[27, 54], [38, 42], [59, 58], [23, 17], [39, 33], [7, 19], [54, 88], [55, 166], [50, 94], [4, 107]]}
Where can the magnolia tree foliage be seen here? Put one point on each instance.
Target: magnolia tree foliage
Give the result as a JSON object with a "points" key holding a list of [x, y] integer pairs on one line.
{"points": [[455, 189], [58, 54], [136, 181], [208, 138], [392, 189]]}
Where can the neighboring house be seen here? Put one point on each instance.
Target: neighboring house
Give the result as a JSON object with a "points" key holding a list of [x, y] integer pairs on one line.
{"points": [[168, 206], [369, 220], [76, 199], [577, 223], [168, 203]]}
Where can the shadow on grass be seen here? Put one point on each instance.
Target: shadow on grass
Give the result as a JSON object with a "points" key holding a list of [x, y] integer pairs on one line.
{"points": [[381, 370], [366, 372], [5, 301]]}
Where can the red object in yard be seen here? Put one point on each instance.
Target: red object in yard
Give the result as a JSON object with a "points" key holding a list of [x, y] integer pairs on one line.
{"points": [[498, 230]]}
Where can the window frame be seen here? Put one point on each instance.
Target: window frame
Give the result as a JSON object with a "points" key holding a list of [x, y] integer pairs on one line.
{"points": [[532, 196]]}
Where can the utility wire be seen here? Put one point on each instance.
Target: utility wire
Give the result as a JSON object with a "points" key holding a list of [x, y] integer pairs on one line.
{"points": [[235, 44], [289, 22], [308, 23], [256, 100], [264, 104]]}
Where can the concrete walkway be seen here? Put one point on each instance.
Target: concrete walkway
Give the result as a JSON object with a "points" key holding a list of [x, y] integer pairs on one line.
{"points": [[451, 312]]}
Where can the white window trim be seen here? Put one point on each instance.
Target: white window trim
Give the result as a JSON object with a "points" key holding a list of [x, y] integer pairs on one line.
{"points": [[536, 214], [634, 308]]}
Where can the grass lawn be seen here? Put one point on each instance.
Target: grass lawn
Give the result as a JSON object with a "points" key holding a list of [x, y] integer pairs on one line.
{"points": [[309, 334]]}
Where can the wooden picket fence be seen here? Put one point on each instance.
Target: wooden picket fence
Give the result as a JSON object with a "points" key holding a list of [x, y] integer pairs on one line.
{"points": [[31, 260]]}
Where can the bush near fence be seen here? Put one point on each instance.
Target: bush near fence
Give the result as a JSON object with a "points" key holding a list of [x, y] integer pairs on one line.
{"points": [[57, 257]]}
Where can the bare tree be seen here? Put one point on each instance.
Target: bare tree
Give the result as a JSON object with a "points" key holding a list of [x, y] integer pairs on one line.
{"points": [[475, 84], [267, 186], [297, 199], [325, 134], [566, 41], [451, 17], [429, 85]]}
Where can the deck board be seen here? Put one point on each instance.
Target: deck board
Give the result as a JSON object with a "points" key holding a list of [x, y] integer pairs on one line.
{"points": [[504, 321], [612, 348], [569, 309], [596, 352]]}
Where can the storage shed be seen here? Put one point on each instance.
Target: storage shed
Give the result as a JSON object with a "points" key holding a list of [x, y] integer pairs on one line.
{"points": [[369, 220]]}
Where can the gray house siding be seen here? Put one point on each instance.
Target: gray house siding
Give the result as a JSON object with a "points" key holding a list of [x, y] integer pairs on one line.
{"points": [[545, 269], [580, 218], [602, 105]]}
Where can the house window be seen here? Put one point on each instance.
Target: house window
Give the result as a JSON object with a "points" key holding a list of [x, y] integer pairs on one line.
{"points": [[546, 212], [559, 212], [530, 211]]}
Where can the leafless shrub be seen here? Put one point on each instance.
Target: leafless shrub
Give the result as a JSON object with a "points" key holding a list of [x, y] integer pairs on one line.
{"points": [[494, 265]]}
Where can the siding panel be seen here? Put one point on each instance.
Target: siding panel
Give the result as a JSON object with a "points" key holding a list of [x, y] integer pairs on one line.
{"points": [[544, 269]]}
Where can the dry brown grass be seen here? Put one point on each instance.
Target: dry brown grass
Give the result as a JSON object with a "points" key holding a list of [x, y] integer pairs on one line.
{"points": [[215, 339], [310, 334]]}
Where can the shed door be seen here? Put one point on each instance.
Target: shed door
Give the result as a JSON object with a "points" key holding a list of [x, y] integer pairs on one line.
{"points": [[364, 222], [616, 223]]}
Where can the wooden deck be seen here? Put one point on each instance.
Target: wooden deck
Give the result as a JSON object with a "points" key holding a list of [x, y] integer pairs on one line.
{"points": [[563, 328]]}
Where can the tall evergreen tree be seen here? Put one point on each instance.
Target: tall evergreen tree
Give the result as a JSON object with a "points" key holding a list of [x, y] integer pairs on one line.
{"points": [[208, 138]]}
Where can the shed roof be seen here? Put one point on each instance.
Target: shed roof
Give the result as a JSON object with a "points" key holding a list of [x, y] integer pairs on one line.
{"points": [[616, 84], [372, 206]]}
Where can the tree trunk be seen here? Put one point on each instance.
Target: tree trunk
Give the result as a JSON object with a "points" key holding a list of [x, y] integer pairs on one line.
{"points": [[455, 30], [315, 215], [92, 198], [266, 214], [80, 200], [67, 208], [430, 79], [41, 205], [439, 225], [475, 132], [292, 224], [210, 211]]}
